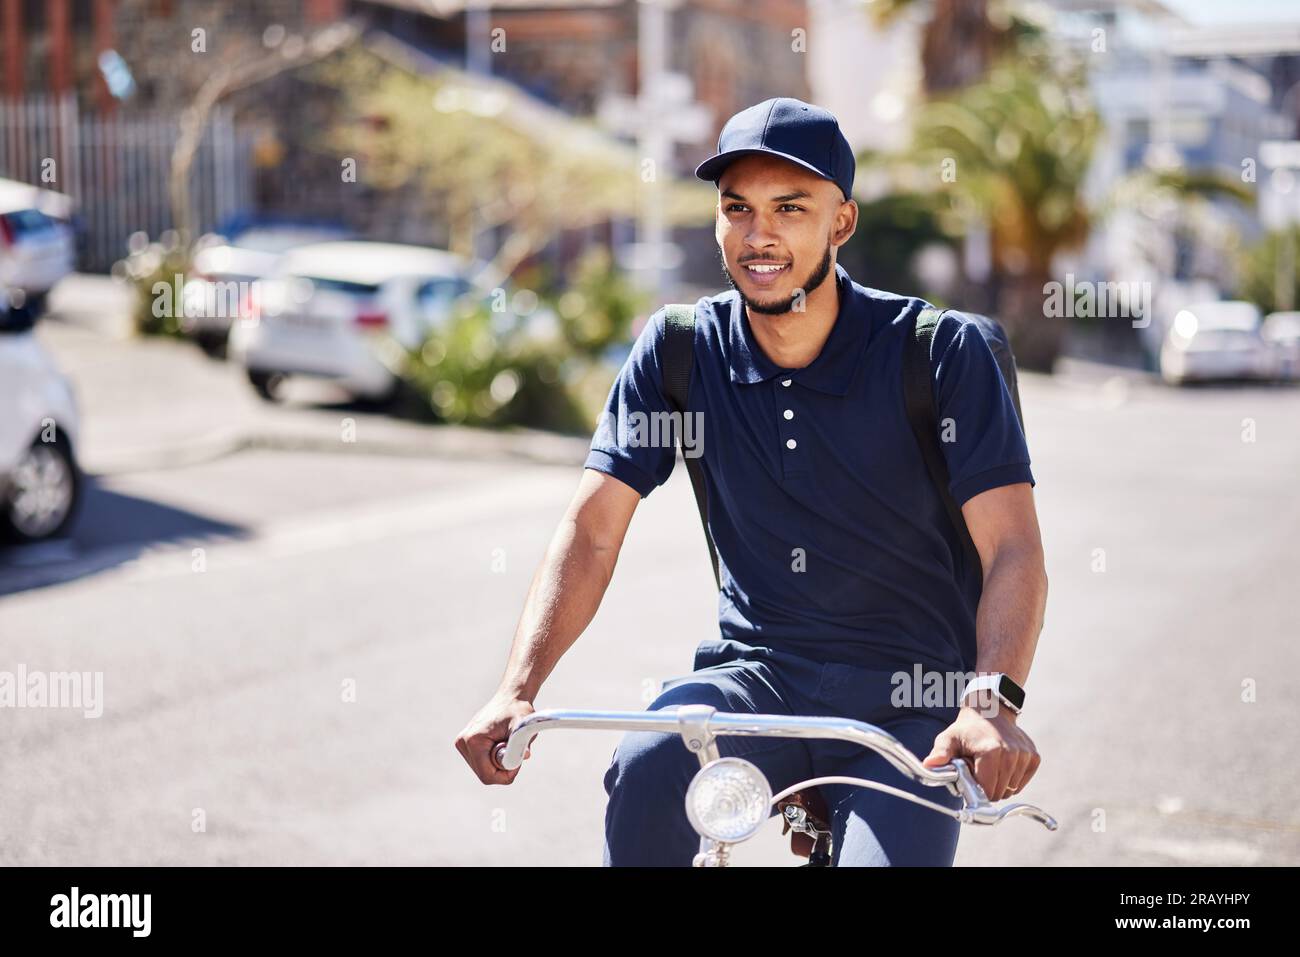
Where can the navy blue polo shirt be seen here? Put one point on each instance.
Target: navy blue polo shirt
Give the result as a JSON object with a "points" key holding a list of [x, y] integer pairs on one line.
{"points": [[833, 542]]}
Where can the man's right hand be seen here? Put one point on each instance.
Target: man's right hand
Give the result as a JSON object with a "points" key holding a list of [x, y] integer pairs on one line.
{"points": [[486, 730]]}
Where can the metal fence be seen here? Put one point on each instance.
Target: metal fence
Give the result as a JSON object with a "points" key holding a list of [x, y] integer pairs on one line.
{"points": [[116, 167]]}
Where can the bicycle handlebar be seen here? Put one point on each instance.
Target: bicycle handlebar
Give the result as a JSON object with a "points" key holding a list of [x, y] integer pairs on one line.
{"points": [[956, 776]]}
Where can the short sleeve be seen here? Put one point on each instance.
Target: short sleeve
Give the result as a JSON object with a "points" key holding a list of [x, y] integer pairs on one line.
{"points": [[979, 431], [632, 441]]}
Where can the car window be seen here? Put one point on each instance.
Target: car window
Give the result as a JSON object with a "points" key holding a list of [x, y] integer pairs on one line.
{"points": [[443, 287], [341, 285], [26, 222], [434, 297]]}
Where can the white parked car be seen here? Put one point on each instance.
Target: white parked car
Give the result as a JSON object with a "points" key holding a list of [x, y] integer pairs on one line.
{"points": [[40, 482], [1216, 340], [320, 313], [1281, 330], [223, 271], [37, 245]]}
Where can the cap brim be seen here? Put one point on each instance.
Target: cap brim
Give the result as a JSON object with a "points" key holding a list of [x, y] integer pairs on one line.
{"points": [[712, 167]]}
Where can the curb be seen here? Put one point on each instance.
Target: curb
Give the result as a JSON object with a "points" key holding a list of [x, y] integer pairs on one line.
{"points": [[541, 448]]}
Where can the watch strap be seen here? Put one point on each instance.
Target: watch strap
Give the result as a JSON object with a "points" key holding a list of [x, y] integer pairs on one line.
{"points": [[1007, 691]]}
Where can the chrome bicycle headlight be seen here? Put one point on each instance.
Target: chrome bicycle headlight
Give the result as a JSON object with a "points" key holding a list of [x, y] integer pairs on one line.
{"points": [[728, 800]]}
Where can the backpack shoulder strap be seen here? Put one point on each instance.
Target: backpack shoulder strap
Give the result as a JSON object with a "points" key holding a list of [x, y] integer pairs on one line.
{"points": [[923, 416], [678, 363], [679, 352]]}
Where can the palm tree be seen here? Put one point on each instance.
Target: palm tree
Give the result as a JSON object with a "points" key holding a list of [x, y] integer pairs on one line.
{"points": [[1020, 146], [1013, 151], [960, 39]]}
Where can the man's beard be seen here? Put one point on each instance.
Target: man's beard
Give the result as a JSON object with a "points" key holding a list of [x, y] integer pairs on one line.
{"points": [[781, 306]]}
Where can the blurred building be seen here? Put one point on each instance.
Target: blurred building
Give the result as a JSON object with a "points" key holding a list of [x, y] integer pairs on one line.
{"points": [[585, 57], [57, 47], [119, 73], [868, 76], [92, 92], [1177, 97]]}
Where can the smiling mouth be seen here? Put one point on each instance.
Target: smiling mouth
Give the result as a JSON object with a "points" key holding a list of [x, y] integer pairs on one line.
{"points": [[765, 270]]}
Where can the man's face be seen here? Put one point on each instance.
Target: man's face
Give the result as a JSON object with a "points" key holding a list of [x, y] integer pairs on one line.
{"points": [[773, 213]]}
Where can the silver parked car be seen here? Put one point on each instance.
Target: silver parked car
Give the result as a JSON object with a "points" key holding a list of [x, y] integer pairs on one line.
{"points": [[1216, 341], [223, 273], [37, 245], [1281, 330], [331, 308], [40, 481]]}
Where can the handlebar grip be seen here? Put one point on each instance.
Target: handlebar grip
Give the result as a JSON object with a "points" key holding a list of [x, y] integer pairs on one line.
{"points": [[498, 753]]}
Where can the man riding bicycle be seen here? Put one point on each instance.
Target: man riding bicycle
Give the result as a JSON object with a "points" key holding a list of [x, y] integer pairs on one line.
{"points": [[843, 578]]}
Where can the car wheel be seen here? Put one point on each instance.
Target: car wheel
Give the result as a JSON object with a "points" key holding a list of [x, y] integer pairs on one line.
{"points": [[266, 384], [389, 400], [41, 494], [212, 344]]}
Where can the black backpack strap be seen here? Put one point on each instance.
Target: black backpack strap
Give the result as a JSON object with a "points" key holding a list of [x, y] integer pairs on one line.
{"points": [[678, 362], [922, 415]]}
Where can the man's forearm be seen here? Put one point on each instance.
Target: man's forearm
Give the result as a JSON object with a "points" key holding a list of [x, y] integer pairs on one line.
{"points": [[566, 591], [1010, 614]]}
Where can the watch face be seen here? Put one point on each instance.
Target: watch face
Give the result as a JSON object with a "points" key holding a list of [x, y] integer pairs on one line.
{"points": [[1011, 691]]}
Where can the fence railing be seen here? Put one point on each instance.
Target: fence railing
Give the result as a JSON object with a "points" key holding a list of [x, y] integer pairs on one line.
{"points": [[117, 167]]}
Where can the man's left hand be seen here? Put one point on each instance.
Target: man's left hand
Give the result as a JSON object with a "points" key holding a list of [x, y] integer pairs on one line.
{"points": [[1003, 757]]}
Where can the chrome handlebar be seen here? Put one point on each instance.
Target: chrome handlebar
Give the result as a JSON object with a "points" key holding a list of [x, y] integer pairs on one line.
{"points": [[700, 724]]}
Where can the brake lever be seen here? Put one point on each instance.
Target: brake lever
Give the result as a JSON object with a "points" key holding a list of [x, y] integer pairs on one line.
{"points": [[1026, 810], [978, 809]]}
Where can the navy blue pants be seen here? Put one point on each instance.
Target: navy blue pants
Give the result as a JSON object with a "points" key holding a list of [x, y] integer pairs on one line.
{"points": [[645, 820]]}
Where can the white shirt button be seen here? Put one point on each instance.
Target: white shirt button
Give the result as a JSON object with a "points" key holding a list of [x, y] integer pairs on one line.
{"points": [[789, 413], [790, 443], [785, 381]]}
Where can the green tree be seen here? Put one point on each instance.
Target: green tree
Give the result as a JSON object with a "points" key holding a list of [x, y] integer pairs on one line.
{"points": [[1013, 151], [1262, 281], [487, 162], [892, 230], [960, 39]]}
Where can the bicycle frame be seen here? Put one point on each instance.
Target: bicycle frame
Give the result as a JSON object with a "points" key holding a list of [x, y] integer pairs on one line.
{"points": [[700, 726]]}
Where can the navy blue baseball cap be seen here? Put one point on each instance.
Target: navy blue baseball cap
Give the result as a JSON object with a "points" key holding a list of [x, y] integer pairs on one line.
{"points": [[788, 128]]}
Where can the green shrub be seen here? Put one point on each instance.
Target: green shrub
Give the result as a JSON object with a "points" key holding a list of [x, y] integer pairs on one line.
{"points": [[157, 272], [483, 369], [546, 368], [597, 309]]}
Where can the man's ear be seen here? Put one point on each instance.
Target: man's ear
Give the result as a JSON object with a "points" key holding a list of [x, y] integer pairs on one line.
{"points": [[851, 226]]}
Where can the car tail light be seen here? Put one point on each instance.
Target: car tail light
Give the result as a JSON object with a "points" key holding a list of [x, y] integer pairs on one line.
{"points": [[372, 318], [250, 309], [6, 231]]}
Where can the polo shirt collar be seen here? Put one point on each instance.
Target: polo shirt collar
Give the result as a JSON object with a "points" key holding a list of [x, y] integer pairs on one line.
{"points": [[831, 372]]}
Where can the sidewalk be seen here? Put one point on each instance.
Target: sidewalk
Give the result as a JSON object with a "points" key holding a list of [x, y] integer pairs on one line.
{"points": [[157, 403]]}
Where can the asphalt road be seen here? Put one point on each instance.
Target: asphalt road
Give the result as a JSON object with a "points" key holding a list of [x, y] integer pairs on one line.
{"points": [[289, 692]]}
